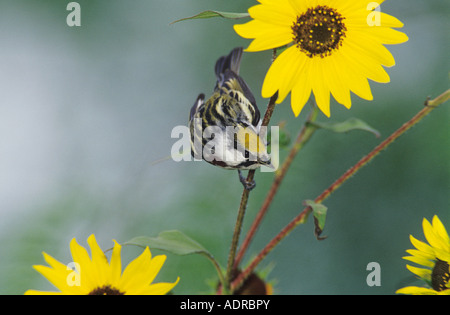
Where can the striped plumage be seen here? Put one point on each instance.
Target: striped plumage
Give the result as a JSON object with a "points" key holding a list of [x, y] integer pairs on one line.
{"points": [[231, 105]]}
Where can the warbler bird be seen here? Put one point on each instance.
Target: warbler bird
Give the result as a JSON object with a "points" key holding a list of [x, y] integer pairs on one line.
{"points": [[225, 130]]}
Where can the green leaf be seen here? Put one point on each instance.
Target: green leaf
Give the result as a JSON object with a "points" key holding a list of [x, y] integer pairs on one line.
{"points": [[346, 126], [176, 243], [173, 241], [211, 14], [320, 214]]}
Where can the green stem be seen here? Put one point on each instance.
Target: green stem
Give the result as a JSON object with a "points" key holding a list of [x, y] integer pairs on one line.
{"points": [[429, 106], [217, 267], [236, 234]]}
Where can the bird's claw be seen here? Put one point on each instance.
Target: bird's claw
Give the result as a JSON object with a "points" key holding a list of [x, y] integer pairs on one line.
{"points": [[248, 185]]}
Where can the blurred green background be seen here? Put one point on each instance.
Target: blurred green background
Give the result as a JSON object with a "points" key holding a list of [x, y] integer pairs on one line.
{"points": [[85, 111]]}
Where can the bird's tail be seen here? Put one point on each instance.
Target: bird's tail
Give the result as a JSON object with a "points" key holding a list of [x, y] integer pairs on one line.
{"points": [[227, 73], [231, 62]]}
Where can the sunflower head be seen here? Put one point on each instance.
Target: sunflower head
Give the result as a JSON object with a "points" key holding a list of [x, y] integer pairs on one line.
{"points": [[333, 46], [94, 275], [255, 285], [434, 258]]}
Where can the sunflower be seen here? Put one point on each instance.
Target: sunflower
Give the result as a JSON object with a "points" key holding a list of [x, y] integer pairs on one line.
{"points": [[435, 257], [332, 46], [98, 277]]}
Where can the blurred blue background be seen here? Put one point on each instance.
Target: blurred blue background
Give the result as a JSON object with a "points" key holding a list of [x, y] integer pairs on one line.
{"points": [[86, 111]]}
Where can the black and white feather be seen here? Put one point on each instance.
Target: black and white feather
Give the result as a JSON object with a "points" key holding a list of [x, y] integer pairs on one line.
{"points": [[232, 104]]}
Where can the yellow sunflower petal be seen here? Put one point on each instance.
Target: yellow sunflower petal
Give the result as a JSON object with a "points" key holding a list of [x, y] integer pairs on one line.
{"points": [[255, 28], [79, 253], [55, 264], [420, 261], [334, 80], [293, 69], [416, 291], [275, 14], [418, 253], [36, 292], [154, 268], [423, 247], [59, 279], [283, 73], [390, 21], [443, 255], [320, 90], [364, 18], [99, 261], [158, 288], [367, 65], [356, 82], [387, 35], [371, 48], [134, 269], [301, 92], [433, 239], [360, 86], [81, 257], [440, 230], [268, 2], [359, 5], [141, 271], [273, 39], [420, 272], [266, 35], [301, 6], [59, 274], [116, 264]]}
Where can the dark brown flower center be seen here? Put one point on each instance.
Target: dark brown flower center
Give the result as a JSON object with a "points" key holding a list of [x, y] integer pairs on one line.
{"points": [[106, 290], [440, 275], [253, 285], [319, 31]]}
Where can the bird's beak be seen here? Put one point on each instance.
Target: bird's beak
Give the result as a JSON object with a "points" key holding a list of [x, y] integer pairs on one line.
{"points": [[268, 164]]}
